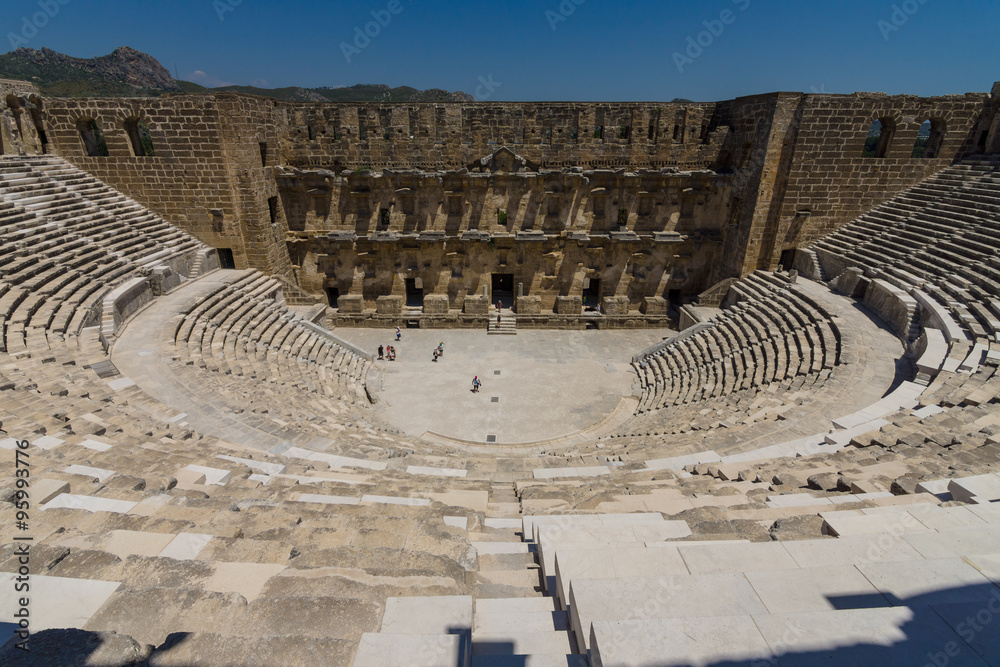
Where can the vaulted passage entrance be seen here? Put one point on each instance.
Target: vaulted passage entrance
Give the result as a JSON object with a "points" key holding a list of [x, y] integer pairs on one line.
{"points": [[414, 293], [503, 289]]}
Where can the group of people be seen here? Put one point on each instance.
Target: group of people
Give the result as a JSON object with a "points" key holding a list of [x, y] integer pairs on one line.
{"points": [[389, 352]]}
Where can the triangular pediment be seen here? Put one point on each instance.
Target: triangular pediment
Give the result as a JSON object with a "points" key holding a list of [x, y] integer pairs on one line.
{"points": [[503, 160]]}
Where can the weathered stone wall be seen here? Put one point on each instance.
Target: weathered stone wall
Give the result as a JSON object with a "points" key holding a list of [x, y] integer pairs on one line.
{"points": [[206, 174], [829, 183], [451, 136], [654, 200], [22, 119], [640, 234]]}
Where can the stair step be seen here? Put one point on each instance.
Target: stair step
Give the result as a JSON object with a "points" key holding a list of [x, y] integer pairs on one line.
{"points": [[531, 661], [489, 563], [532, 621], [521, 643], [515, 605]]}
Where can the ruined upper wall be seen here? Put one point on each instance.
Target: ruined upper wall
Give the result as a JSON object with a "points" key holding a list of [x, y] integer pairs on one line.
{"points": [[829, 183], [20, 120], [207, 173], [451, 136]]}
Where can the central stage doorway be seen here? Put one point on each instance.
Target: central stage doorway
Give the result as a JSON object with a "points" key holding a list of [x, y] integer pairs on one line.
{"points": [[414, 293], [503, 289]]}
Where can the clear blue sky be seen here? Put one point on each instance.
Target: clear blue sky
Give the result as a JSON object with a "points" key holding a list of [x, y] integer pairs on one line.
{"points": [[544, 49]]}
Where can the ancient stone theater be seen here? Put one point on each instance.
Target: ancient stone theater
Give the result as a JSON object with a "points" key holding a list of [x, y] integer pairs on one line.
{"points": [[736, 400]]}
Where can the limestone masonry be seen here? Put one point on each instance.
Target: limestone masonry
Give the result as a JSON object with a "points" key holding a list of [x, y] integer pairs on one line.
{"points": [[560, 206], [791, 457]]}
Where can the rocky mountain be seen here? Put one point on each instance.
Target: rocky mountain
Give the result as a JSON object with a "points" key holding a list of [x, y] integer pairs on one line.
{"points": [[123, 71], [127, 72], [358, 93]]}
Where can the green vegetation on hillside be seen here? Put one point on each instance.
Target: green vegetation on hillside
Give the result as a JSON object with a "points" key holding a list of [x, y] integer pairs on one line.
{"points": [[130, 73], [57, 80]]}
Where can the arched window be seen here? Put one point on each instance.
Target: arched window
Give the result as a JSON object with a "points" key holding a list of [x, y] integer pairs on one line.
{"points": [[92, 137], [929, 139], [138, 136], [879, 139]]}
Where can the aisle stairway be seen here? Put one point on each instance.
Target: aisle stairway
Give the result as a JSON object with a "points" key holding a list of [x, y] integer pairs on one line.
{"points": [[507, 325], [507, 622]]}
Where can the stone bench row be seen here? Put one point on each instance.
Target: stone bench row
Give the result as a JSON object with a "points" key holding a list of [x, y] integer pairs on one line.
{"points": [[879, 566], [774, 335]]}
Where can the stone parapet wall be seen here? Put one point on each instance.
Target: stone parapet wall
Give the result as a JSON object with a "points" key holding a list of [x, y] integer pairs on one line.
{"points": [[450, 136]]}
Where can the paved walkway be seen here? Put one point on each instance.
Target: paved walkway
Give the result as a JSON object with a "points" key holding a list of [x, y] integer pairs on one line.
{"points": [[143, 353], [550, 383], [537, 385]]}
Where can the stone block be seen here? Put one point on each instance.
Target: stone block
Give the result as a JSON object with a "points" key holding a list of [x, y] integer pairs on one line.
{"points": [[958, 543], [213, 476], [417, 650], [351, 304], [731, 558], [186, 546], [125, 543], [475, 500], [697, 596], [100, 474], [89, 503], [877, 636], [446, 614], [693, 641], [247, 579], [812, 588], [569, 305], [389, 305], [477, 306], [615, 305], [44, 490], [654, 305], [370, 499], [56, 602], [436, 304], [529, 305], [944, 581], [984, 488]]}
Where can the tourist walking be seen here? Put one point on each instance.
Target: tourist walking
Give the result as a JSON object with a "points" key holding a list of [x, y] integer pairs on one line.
{"points": [[475, 385], [381, 352], [392, 353], [398, 335], [435, 355]]}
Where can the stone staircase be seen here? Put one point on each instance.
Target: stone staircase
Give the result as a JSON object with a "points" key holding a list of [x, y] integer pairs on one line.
{"points": [[507, 622], [507, 325]]}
